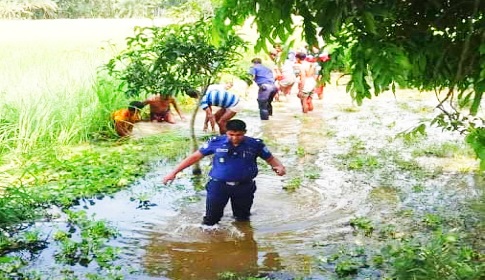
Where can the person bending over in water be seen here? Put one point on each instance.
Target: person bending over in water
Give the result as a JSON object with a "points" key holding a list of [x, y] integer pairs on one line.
{"points": [[228, 103], [124, 119], [160, 108]]}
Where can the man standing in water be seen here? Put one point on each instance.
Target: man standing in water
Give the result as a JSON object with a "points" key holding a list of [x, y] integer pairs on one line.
{"points": [[234, 168], [307, 82], [264, 78]]}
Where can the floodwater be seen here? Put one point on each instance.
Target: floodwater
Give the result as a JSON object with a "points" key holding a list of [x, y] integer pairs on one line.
{"points": [[289, 229]]}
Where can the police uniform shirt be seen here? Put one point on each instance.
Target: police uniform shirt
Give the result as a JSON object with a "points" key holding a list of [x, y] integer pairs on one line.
{"points": [[235, 164], [262, 74]]}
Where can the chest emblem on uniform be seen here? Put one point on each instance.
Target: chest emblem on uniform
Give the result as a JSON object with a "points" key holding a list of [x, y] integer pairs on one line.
{"points": [[222, 150]]}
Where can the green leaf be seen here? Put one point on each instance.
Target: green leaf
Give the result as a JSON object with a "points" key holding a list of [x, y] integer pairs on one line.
{"points": [[369, 22]]}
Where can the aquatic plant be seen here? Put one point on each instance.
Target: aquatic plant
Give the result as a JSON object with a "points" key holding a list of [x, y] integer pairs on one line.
{"points": [[293, 184]]}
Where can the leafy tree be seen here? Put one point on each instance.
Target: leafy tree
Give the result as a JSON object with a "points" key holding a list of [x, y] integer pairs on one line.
{"points": [[170, 60], [428, 44]]}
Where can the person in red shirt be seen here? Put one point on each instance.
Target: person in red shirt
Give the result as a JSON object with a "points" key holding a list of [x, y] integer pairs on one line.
{"points": [[124, 119]]}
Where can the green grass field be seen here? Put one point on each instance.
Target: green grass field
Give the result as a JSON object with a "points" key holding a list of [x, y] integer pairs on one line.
{"points": [[49, 91]]}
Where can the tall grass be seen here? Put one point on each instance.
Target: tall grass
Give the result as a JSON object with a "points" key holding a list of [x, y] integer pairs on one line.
{"points": [[50, 93]]}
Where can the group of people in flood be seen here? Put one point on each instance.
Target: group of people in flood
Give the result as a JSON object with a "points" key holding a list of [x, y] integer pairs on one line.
{"points": [[234, 155], [160, 109], [299, 70]]}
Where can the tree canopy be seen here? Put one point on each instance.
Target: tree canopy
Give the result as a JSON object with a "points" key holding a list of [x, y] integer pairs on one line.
{"points": [[173, 58], [427, 44]]}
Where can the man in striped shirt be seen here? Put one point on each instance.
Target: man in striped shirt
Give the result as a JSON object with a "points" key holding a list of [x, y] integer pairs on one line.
{"points": [[218, 96]]}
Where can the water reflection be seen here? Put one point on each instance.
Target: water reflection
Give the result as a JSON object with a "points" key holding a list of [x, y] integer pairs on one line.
{"points": [[214, 251]]}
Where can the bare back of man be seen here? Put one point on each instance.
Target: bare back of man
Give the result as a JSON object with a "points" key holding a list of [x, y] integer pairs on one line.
{"points": [[160, 108], [307, 85]]}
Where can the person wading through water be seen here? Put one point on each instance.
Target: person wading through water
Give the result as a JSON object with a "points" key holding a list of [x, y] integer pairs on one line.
{"points": [[234, 168]]}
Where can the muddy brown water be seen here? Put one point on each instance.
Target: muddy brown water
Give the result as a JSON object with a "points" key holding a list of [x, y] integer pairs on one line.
{"points": [[289, 230]]}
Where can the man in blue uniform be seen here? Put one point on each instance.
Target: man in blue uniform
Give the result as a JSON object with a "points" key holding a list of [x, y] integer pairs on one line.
{"points": [[233, 171], [264, 78]]}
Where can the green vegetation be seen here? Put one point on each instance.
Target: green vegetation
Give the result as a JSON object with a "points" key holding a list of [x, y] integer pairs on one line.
{"points": [[70, 176], [57, 147], [46, 103], [431, 249], [444, 150], [293, 184], [357, 157], [91, 247], [57, 9], [173, 58], [362, 224], [62, 177], [432, 246], [177, 58]]}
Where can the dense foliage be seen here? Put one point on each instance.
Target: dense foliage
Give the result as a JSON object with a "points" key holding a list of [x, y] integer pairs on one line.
{"points": [[170, 59], [430, 45]]}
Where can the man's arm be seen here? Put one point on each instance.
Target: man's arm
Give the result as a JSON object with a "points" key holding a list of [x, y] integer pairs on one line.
{"points": [[209, 115], [208, 120], [252, 72], [175, 105], [149, 100], [276, 165], [188, 161]]}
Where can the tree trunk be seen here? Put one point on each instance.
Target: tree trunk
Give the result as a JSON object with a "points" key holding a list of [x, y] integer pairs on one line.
{"points": [[196, 170]]}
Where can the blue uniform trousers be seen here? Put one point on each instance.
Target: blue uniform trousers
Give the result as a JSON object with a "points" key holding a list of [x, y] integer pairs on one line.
{"points": [[219, 193], [266, 93]]}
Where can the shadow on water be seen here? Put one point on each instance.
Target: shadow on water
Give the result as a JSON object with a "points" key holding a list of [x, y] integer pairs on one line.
{"points": [[162, 238]]}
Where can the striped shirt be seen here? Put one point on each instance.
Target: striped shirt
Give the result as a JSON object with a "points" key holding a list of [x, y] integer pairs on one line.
{"points": [[218, 97]]}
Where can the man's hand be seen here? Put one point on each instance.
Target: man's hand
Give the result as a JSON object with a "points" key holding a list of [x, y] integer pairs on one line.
{"points": [[280, 170], [168, 178]]}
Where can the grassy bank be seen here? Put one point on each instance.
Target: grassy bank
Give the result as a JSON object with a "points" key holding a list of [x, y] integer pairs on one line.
{"points": [[49, 89], [63, 177], [53, 104]]}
